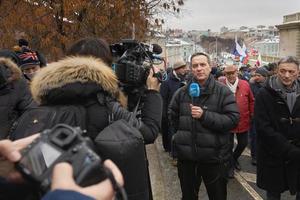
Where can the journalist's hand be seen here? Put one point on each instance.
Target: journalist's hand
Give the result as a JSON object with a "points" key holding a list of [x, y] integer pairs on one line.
{"points": [[10, 153], [152, 82], [62, 178], [196, 111]]}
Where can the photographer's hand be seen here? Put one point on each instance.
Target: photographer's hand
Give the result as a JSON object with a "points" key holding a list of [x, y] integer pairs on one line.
{"points": [[152, 82], [62, 179], [10, 153]]}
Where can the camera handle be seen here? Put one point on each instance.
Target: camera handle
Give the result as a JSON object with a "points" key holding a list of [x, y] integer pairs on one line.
{"points": [[120, 191]]}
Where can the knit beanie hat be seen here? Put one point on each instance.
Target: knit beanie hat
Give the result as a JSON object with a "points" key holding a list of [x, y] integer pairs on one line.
{"points": [[22, 42], [28, 58], [262, 71]]}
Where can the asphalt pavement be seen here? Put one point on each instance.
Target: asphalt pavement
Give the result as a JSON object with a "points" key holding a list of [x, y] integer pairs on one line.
{"points": [[165, 182]]}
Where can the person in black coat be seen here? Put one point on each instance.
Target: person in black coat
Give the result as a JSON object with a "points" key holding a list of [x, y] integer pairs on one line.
{"points": [[15, 96], [202, 127], [256, 82], [176, 79], [277, 121], [80, 78]]}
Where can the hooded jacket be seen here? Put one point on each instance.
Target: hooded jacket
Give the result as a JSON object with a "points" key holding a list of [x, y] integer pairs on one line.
{"points": [[78, 80], [15, 97], [278, 139]]}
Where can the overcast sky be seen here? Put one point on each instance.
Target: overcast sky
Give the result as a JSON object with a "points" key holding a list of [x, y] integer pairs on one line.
{"points": [[213, 14]]}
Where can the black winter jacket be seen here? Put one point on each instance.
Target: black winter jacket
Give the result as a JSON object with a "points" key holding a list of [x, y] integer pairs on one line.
{"points": [[15, 97], [278, 140], [77, 80], [167, 90], [212, 129]]}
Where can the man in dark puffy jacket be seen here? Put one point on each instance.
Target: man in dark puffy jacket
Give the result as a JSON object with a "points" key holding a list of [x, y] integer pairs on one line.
{"points": [[202, 138], [277, 122], [15, 96]]}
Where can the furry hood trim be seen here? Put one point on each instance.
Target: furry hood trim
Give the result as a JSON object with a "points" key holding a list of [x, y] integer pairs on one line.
{"points": [[16, 72], [75, 69]]}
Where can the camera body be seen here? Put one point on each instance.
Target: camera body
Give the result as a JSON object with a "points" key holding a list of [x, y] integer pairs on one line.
{"points": [[61, 144]]}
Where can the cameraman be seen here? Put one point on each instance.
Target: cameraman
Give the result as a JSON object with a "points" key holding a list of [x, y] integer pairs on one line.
{"points": [[63, 185], [80, 79]]}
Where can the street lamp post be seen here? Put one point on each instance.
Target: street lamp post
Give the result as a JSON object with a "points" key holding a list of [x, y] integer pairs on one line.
{"points": [[216, 46]]}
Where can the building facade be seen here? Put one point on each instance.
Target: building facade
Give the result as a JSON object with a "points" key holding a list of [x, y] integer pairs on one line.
{"points": [[177, 49], [267, 47], [289, 33]]}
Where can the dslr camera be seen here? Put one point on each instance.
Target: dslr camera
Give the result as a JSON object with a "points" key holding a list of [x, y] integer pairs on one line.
{"points": [[61, 144]]}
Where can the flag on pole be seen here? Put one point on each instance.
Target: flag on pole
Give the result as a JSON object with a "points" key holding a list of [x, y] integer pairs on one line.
{"points": [[258, 62], [241, 52]]}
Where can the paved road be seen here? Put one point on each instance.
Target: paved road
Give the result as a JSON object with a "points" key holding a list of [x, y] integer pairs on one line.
{"points": [[165, 183]]}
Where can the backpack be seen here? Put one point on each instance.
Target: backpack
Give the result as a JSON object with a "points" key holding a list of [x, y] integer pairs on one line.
{"points": [[124, 145], [37, 119]]}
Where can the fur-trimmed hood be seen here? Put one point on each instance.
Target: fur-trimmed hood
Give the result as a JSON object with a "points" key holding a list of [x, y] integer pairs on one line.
{"points": [[75, 70], [15, 71]]}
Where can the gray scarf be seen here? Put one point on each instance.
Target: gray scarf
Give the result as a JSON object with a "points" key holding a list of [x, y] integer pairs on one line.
{"points": [[289, 94]]}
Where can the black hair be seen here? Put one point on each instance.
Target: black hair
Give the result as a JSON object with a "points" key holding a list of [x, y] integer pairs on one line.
{"points": [[95, 47], [201, 54]]}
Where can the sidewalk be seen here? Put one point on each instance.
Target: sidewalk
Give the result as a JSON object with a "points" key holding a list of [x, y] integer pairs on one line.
{"points": [[164, 179], [165, 183]]}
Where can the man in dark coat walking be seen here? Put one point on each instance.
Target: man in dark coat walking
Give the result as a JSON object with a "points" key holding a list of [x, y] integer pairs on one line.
{"points": [[277, 121], [176, 79], [202, 127]]}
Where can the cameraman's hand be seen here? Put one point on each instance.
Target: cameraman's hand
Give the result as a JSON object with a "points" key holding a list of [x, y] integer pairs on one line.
{"points": [[152, 82], [62, 178], [10, 153]]}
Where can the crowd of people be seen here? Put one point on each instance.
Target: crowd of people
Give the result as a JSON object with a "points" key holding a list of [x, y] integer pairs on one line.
{"points": [[260, 103], [264, 109]]}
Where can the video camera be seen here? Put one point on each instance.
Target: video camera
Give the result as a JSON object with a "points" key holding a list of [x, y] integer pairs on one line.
{"points": [[134, 61], [61, 144]]}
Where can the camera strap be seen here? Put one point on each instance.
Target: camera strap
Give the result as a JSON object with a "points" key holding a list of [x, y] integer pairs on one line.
{"points": [[120, 191]]}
